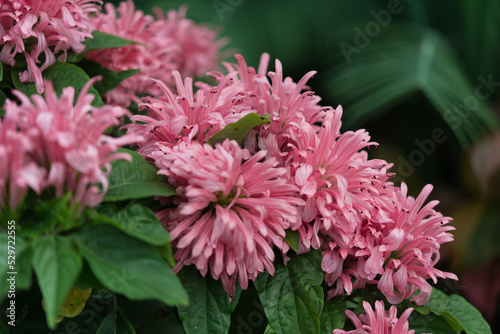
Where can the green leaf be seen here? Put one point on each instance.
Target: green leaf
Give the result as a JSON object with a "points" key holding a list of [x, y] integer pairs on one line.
{"points": [[110, 79], [293, 297], [1, 71], [167, 253], [293, 239], [57, 266], [129, 266], [75, 57], [209, 310], [405, 60], [62, 75], [459, 313], [23, 269], [269, 330], [102, 40], [430, 323], [238, 130], [333, 315], [115, 323], [136, 179], [87, 280], [135, 220]]}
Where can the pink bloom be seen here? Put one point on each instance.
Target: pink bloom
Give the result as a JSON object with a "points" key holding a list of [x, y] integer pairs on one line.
{"points": [[198, 116], [196, 46], [67, 141], [336, 179], [379, 321], [17, 172], [397, 248], [187, 115], [163, 45], [231, 209], [50, 27], [289, 104], [411, 247]]}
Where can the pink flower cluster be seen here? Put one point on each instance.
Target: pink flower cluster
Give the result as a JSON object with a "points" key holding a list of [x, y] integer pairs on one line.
{"points": [[51, 27], [336, 199], [396, 248], [57, 146], [234, 208], [163, 44], [378, 322]]}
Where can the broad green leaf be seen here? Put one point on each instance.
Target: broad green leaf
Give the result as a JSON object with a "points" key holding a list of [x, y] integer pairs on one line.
{"points": [[238, 130], [57, 266], [333, 315], [430, 323], [458, 312], [405, 60], [115, 323], [129, 266], [102, 40], [209, 310], [293, 239], [135, 220], [293, 296], [110, 79], [62, 75], [136, 179]]}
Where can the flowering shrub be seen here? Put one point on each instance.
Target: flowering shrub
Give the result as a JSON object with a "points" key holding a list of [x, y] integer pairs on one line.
{"points": [[213, 192]]}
